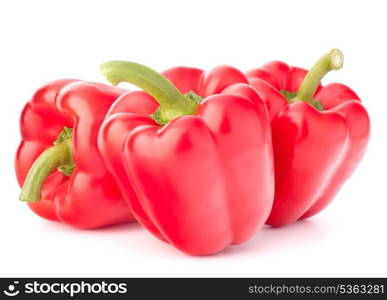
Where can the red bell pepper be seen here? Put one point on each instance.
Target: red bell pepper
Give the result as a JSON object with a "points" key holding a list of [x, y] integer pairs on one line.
{"points": [[197, 173], [319, 135], [68, 181]]}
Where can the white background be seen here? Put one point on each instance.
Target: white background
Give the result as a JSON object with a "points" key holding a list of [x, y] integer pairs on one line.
{"points": [[45, 40]]}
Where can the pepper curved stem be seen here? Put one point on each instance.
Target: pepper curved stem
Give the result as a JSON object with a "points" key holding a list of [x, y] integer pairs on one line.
{"points": [[54, 157], [333, 60], [172, 102]]}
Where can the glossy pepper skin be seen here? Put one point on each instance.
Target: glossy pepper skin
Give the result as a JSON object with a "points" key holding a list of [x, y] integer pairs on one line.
{"points": [[317, 142], [204, 180], [87, 197]]}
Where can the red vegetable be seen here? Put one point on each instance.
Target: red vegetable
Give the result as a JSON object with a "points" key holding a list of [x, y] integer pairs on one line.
{"points": [[198, 175], [319, 135], [68, 181]]}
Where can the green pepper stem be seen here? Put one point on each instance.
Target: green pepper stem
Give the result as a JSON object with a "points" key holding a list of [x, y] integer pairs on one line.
{"points": [[333, 60], [172, 102], [54, 157]]}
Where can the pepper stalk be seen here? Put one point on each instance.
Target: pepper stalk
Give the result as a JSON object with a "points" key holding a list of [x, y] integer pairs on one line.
{"points": [[58, 157], [172, 102], [333, 60]]}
